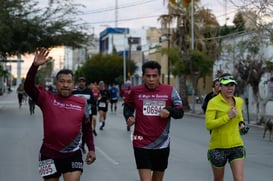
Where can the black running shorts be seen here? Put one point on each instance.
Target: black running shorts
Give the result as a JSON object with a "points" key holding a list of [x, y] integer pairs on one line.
{"points": [[69, 164], [153, 159], [219, 157]]}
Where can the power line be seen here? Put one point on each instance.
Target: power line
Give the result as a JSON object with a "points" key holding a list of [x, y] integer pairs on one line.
{"points": [[126, 19], [132, 4]]}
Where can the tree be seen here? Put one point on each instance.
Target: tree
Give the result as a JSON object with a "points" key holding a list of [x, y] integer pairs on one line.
{"points": [[108, 68], [261, 13], [45, 71], [239, 22], [252, 25], [250, 68], [24, 26], [3, 73], [205, 29]]}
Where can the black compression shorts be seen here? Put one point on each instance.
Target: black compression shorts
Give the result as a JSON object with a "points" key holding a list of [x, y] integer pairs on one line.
{"points": [[153, 159], [69, 164]]}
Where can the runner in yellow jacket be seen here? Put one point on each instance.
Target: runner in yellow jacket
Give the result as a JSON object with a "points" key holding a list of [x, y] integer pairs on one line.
{"points": [[224, 119]]}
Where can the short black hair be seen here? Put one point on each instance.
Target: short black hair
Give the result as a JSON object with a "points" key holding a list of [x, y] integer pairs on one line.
{"points": [[64, 71], [214, 82], [152, 65]]}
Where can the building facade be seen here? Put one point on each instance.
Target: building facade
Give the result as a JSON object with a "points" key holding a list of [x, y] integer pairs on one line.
{"points": [[235, 49]]}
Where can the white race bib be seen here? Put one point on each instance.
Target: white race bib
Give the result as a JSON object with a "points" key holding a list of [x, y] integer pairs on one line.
{"points": [[89, 108], [102, 104], [47, 167], [152, 108]]}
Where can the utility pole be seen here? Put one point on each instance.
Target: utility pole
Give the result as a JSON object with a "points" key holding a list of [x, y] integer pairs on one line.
{"points": [[169, 63], [225, 12], [19, 68], [116, 14], [192, 48], [192, 25], [124, 55]]}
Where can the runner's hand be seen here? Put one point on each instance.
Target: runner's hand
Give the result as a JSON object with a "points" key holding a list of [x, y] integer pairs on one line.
{"points": [[164, 113], [40, 56], [232, 113], [90, 157], [131, 121]]}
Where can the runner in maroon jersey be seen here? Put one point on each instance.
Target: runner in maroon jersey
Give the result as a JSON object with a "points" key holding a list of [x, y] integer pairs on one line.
{"points": [[66, 120], [96, 93], [124, 92], [154, 104], [103, 103]]}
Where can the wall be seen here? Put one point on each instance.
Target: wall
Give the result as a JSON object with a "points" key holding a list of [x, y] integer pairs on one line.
{"points": [[229, 57]]}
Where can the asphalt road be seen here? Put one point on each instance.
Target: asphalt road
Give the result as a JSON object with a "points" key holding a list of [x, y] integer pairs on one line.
{"points": [[21, 136]]}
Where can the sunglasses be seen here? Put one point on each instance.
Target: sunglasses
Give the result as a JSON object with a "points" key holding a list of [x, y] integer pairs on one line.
{"points": [[227, 77], [230, 84]]}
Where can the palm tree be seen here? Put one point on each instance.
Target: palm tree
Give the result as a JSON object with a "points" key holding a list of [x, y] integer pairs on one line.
{"points": [[188, 62]]}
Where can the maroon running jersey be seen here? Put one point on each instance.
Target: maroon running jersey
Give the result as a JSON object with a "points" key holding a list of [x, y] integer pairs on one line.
{"points": [[152, 131], [65, 120]]}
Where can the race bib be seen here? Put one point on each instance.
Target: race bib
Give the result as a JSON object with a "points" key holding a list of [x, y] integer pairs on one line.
{"points": [[47, 167], [152, 108], [102, 104], [89, 108]]}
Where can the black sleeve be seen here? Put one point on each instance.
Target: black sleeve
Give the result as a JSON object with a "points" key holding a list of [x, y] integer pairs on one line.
{"points": [[128, 111], [206, 101], [204, 106], [92, 100], [176, 113]]}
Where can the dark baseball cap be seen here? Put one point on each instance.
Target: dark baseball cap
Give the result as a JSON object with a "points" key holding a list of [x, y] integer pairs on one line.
{"points": [[81, 78]]}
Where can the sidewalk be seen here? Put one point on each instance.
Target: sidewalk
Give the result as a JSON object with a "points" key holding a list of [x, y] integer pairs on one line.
{"points": [[197, 112], [8, 97]]}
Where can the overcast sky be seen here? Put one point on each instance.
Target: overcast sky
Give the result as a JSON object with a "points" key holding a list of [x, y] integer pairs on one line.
{"points": [[140, 13], [132, 14]]}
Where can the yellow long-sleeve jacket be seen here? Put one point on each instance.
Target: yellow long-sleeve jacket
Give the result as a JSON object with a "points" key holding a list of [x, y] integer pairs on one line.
{"points": [[224, 131]]}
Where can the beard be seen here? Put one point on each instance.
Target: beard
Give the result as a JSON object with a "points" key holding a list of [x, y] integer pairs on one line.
{"points": [[65, 93]]}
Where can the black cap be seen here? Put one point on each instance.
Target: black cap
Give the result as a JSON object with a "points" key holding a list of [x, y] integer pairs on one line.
{"points": [[81, 78]]}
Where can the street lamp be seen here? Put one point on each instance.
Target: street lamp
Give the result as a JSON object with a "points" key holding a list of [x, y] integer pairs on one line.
{"points": [[124, 55], [192, 48], [169, 63], [124, 59]]}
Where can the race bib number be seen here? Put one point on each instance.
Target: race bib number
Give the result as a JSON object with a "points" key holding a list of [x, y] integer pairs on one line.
{"points": [[152, 108], [102, 104], [47, 167]]}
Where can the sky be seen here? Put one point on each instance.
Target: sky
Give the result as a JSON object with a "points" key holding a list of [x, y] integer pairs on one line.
{"points": [[135, 14], [140, 13]]}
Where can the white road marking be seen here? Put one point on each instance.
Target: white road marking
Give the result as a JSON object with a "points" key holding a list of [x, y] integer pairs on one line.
{"points": [[114, 162]]}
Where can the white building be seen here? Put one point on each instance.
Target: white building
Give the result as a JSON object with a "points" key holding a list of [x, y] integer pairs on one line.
{"points": [[127, 42], [234, 50]]}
